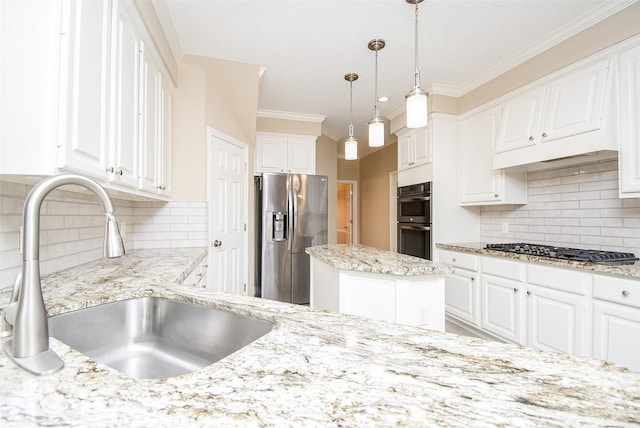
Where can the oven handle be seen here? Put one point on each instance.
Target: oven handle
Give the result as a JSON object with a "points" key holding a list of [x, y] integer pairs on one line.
{"points": [[413, 226], [413, 198]]}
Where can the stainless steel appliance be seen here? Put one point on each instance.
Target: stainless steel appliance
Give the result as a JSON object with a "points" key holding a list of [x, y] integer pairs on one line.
{"points": [[565, 253], [414, 220], [291, 216]]}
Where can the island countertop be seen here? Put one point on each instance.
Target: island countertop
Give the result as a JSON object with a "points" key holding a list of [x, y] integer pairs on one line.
{"points": [[361, 258], [314, 368]]}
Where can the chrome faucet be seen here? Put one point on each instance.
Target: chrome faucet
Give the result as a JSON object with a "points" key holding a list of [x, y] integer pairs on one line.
{"points": [[29, 348]]}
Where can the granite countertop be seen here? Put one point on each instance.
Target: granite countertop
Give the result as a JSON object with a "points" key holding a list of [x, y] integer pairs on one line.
{"points": [[314, 368], [361, 258], [616, 268]]}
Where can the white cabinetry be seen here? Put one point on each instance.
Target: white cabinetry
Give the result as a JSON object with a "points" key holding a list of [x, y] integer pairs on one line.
{"points": [[198, 276], [629, 163], [285, 153], [503, 302], [557, 309], [480, 184], [462, 287], [414, 148], [616, 320], [98, 124], [567, 114]]}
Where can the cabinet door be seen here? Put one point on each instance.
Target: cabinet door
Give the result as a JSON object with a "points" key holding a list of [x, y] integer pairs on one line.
{"points": [[556, 320], [502, 307], [84, 87], [422, 146], [149, 96], [520, 120], [301, 155], [271, 153], [405, 151], [575, 103], [164, 164], [479, 182], [616, 335], [462, 295], [124, 151], [630, 123]]}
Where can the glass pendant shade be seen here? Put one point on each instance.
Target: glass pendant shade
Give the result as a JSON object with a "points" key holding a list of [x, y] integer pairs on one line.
{"points": [[351, 149], [416, 109], [376, 133]]}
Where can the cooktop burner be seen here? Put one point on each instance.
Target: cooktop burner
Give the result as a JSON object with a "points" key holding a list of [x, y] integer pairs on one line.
{"points": [[594, 256]]}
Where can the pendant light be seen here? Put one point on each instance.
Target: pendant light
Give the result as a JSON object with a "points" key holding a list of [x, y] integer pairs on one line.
{"points": [[351, 144], [417, 97], [376, 125]]}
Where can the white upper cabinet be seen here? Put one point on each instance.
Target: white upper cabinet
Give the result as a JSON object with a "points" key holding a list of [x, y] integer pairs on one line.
{"points": [[414, 148], [630, 123], [285, 153], [109, 118], [480, 184], [566, 114], [85, 87]]}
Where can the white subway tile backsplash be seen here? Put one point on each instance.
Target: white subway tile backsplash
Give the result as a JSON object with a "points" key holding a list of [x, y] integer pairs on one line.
{"points": [[72, 226], [578, 206]]}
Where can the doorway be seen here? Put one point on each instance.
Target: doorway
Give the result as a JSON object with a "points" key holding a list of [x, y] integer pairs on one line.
{"points": [[347, 215], [227, 195]]}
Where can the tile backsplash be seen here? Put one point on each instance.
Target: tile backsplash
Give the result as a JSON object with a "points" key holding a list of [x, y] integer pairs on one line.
{"points": [[574, 206], [72, 227]]}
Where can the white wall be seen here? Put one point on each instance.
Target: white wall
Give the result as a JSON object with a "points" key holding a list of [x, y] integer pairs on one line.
{"points": [[572, 207]]}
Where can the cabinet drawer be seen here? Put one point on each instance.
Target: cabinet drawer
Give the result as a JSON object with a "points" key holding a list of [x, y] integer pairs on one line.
{"points": [[503, 268], [558, 278], [461, 260], [619, 290]]}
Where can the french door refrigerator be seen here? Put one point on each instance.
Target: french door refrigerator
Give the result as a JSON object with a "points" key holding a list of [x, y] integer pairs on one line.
{"points": [[291, 216]]}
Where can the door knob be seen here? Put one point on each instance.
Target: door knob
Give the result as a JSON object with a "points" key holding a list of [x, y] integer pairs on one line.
{"points": [[217, 243]]}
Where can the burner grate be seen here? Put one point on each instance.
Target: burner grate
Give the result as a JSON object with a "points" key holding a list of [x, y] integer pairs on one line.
{"points": [[564, 253]]}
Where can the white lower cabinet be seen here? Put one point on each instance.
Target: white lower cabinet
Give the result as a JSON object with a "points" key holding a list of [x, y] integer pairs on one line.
{"points": [[616, 321], [545, 307]]}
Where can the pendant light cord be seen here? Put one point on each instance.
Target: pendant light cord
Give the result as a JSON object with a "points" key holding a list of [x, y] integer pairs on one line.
{"points": [[416, 76], [350, 108], [376, 88]]}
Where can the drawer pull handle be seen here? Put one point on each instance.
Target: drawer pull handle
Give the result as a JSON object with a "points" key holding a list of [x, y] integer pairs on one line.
{"points": [[625, 293]]}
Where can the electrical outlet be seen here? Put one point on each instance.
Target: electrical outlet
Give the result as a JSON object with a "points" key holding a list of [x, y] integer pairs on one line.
{"points": [[423, 314], [505, 227]]}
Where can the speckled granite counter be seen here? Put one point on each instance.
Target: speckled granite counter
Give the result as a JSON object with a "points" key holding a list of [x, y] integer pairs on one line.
{"points": [[316, 369], [615, 268], [361, 258]]}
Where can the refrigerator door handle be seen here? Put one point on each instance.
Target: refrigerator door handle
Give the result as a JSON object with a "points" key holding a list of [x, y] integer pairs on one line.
{"points": [[292, 210]]}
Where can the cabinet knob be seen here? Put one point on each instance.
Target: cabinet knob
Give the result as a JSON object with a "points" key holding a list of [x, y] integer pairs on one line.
{"points": [[528, 293], [625, 293], [162, 187], [473, 278], [119, 172], [453, 259], [544, 135], [515, 290], [531, 138], [496, 195], [217, 243], [205, 266], [110, 169]]}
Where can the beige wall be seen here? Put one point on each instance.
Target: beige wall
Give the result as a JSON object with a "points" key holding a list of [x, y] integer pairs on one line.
{"points": [[286, 126], [373, 187], [348, 169], [326, 153]]}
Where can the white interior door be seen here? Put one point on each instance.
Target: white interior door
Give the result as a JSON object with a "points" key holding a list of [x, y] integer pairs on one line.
{"points": [[227, 214]]}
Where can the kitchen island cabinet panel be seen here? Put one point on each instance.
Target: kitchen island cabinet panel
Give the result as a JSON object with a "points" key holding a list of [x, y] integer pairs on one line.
{"points": [[616, 335]]}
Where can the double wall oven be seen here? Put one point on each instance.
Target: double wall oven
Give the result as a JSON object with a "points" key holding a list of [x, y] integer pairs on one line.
{"points": [[414, 220]]}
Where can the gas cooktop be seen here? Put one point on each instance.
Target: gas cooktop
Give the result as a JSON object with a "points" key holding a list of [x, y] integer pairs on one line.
{"points": [[594, 256]]}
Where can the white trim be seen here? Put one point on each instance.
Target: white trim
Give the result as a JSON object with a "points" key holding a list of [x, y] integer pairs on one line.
{"points": [[354, 214], [328, 133], [214, 133], [303, 117], [393, 211]]}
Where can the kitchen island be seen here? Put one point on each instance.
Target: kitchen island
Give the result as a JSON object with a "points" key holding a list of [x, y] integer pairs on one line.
{"points": [[378, 284], [314, 368]]}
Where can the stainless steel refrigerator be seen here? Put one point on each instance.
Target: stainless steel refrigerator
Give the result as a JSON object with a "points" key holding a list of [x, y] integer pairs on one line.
{"points": [[291, 216]]}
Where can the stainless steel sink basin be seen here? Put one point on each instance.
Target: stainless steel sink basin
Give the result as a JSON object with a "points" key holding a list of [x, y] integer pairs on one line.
{"points": [[152, 338]]}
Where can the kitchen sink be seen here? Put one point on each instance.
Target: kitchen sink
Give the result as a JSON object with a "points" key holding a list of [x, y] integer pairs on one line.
{"points": [[153, 338]]}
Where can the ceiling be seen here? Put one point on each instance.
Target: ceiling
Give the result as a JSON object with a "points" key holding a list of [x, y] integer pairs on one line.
{"points": [[307, 46]]}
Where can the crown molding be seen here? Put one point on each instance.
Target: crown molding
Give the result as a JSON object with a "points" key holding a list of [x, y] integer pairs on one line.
{"points": [[441, 89], [302, 117], [328, 133]]}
